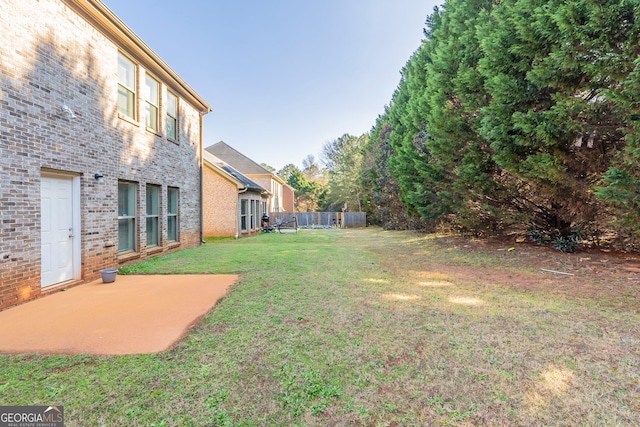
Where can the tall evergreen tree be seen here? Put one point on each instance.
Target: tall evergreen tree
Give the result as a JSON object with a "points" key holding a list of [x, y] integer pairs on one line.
{"points": [[621, 183], [469, 190], [516, 109], [411, 162], [382, 200], [549, 66]]}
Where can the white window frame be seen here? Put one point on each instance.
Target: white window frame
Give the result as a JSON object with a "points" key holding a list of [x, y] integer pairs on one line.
{"points": [[172, 116], [152, 106], [127, 85], [127, 217], [252, 212], [173, 213], [243, 214], [153, 215]]}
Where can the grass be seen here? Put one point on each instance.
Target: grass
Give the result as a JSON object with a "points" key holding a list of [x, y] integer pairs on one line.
{"points": [[363, 327]]}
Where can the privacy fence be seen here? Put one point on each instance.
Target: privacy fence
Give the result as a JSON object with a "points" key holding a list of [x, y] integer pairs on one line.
{"points": [[319, 219]]}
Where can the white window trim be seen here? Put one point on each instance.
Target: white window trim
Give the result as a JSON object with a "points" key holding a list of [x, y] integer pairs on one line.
{"points": [[133, 90]]}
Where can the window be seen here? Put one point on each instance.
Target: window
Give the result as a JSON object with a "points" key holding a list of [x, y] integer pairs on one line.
{"points": [[172, 116], [243, 215], [172, 214], [152, 102], [126, 86], [252, 214], [153, 213], [256, 213], [126, 216]]}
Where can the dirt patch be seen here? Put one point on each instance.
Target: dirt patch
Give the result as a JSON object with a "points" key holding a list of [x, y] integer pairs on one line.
{"points": [[529, 267]]}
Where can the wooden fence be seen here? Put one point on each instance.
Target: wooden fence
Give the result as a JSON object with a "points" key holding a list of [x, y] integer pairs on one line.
{"points": [[320, 219]]}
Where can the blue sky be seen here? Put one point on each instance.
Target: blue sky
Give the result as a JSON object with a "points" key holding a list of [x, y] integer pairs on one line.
{"points": [[283, 76]]}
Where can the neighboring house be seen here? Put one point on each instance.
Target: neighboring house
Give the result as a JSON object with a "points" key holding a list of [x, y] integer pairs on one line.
{"points": [[288, 198], [101, 148], [281, 194], [233, 204]]}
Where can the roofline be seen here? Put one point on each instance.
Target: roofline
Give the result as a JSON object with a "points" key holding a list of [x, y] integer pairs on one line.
{"points": [[243, 155], [102, 18], [280, 180], [209, 160], [268, 174]]}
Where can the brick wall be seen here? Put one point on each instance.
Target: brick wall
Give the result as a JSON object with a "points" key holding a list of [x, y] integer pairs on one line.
{"points": [[288, 199], [220, 205], [50, 57]]}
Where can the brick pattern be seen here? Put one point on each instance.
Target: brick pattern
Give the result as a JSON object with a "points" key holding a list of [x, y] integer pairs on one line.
{"points": [[288, 199], [51, 57], [220, 203], [221, 217]]}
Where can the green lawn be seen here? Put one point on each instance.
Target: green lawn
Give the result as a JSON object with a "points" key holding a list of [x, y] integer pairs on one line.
{"points": [[367, 327]]}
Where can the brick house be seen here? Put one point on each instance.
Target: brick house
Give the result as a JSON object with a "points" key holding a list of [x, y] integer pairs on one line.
{"points": [[288, 198], [281, 197], [232, 203], [101, 148]]}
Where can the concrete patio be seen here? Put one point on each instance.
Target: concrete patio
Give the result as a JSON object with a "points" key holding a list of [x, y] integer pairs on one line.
{"points": [[133, 315]]}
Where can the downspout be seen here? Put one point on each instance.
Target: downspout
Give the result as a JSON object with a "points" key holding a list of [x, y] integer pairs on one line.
{"points": [[201, 164]]}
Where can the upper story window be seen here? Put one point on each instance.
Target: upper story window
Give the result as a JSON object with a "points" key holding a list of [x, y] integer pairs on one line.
{"points": [[152, 102], [172, 116], [126, 86]]}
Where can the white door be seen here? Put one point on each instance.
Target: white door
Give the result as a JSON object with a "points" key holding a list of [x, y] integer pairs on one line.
{"points": [[57, 230]]}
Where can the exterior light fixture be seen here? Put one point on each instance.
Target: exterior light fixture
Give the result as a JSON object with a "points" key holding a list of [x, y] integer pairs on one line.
{"points": [[99, 178], [67, 111]]}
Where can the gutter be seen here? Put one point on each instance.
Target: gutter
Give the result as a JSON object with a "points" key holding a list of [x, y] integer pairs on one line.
{"points": [[111, 26]]}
